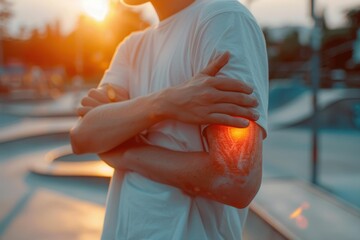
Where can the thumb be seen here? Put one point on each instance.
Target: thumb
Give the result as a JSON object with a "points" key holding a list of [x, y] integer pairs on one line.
{"points": [[217, 64]]}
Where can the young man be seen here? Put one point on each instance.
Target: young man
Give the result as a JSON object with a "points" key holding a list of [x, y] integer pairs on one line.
{"points": [[175, 116]]}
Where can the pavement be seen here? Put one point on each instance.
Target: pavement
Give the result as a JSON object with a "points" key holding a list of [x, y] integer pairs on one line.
{"points": [[287, 154], [39, 207]]}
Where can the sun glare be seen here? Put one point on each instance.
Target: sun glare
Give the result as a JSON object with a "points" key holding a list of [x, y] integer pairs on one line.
{"points": [[97, 9]]}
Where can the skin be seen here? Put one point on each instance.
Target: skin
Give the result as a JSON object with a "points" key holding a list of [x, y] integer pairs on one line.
{"points": [[229, 173]]}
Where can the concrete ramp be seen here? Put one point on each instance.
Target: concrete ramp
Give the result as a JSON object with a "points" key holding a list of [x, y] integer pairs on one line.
{"points": [[300, 109], [61, 107], [292, 209], [31, 127], [61, 162]]}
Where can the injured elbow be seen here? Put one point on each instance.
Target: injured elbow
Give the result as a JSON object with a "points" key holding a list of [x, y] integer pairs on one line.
{"points": [[238, 191]]}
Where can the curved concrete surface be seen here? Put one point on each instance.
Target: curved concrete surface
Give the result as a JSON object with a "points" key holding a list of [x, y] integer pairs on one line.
{"points": [[63, 106], [301, 108], [74, 166], [30, 127], [302, 211], [39, 207]]}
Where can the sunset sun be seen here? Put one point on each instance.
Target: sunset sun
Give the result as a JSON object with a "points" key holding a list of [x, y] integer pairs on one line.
{"points": [[97, 9]]}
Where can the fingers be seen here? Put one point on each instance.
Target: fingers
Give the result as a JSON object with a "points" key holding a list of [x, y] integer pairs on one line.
{"points": [[104, 94], [223, 119], [120, 92], [90, 102], [109, 93], [82, 111], [217, 64], [230, 84], [235, 111], [99, 95], [236, 98]]}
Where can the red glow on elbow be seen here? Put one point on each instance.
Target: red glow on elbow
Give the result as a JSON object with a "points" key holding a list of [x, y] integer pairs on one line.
{"points": [[239, 134], [234, 150]]}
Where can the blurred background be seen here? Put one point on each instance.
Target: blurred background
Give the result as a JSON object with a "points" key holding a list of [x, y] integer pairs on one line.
{"points": [[52, 52]]}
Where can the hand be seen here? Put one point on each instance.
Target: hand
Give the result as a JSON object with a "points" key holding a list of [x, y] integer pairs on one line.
{"points": [[104, 94], [207, 99]]}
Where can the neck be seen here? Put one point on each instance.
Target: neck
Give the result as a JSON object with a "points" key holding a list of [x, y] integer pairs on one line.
{"points": [[167, 8]]}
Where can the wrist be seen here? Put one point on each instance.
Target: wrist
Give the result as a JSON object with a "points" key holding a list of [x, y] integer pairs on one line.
{"points": [[161, 105]]}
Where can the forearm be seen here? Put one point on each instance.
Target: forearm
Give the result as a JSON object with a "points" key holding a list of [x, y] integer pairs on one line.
{"points": [[109, 125], [204, 99], [196, 173], [188, 171]]}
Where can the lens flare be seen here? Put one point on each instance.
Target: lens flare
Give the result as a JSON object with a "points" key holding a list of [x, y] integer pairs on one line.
{"points": [[300, 220], [97, 9]]}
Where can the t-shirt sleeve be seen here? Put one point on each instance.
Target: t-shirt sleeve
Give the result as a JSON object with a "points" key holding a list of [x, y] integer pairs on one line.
{"points": [[118, 71], [240, 35]]}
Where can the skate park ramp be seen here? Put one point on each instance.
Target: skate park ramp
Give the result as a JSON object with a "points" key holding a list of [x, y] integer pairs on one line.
{"points": [[292, 209], [64, 106], [282, 92], [61, 162], [299, 110]]}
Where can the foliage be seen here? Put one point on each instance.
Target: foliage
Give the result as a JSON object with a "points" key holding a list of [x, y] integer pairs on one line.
{"points": [[5, 15], [95, 42]]}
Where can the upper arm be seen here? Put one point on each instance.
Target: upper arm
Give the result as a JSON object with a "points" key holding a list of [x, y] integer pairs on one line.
{"points": [[236, 160], [239, 34], [118, 72], [235, 150]]}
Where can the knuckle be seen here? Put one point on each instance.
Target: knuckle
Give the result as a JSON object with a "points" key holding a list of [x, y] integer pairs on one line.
{"points": [[208, 96], [92, 91], [255, 114], [83, 101], [209, 81]]}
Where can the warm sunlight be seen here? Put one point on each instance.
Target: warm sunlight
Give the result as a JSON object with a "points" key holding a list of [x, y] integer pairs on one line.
{"points": [[97, 9]]}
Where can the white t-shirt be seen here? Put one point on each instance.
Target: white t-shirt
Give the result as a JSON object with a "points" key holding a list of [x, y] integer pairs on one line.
{"points": [[162, 56]]}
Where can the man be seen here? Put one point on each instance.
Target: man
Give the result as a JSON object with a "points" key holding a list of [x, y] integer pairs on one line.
{"points": [[175, 116]]}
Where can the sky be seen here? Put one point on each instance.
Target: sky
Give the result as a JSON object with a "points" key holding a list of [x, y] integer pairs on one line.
{"points": [[270, 13]]}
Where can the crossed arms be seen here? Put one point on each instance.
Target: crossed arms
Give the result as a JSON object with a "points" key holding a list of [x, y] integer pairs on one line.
{"points": [[229, 173]]}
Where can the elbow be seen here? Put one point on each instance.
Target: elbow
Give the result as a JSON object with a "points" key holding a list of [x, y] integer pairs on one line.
{"points": [[244, 201], [241, 193], [248, 191]]}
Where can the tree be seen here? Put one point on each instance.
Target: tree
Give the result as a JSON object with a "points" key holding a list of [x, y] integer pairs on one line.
{"points": [[353, 18], [290, 47], [5, 15]]}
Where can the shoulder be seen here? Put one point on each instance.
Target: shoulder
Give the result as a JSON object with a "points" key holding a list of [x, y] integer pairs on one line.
{"points": [[132, 39], [128, 44], [211, 8]]}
